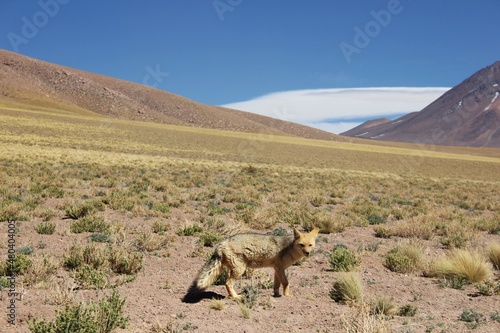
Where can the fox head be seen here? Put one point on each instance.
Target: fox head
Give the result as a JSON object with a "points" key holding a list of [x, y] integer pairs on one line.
{"points": [[305, 242]]}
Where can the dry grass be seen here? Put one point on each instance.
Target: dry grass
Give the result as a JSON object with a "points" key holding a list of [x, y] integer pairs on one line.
{"points": [[347, 288], [359, 319], [462, 264], [493, 254]]}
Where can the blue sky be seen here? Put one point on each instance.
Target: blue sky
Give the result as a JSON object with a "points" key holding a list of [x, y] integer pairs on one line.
{"points": [[233, 51]]}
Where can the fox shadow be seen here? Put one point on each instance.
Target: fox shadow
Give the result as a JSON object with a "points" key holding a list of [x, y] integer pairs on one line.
{"points": [[199, 296]]}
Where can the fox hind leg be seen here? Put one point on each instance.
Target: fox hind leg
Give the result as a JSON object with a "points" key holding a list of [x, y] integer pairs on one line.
{"points": [[235, 272]]}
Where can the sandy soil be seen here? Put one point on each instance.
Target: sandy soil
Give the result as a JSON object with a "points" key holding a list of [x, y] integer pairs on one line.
{"points": [[153, 299]]}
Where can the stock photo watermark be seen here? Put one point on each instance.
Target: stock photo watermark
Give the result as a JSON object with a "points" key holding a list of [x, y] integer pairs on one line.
{"points": [[11, 279], [30, 26], [365, 34], [154, 77], [223, 6]]}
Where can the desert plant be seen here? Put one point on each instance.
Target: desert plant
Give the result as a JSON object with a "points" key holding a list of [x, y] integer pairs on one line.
{"points": [[100, 238], [45, 228], [359, 319], [209, 238], [124, 262], [464, 264], [375, 218], [89, 277], [189, 230], [493, 254], [489, 288], [407, 310], [101, 317], [90, 223], [26, 250], [383, 306], [41, 270], [347, 288], [77, 211], [472, 318], [217, 304], [18, 265], [342, 259], [149, 241], [404, 258], [160, 227], [250, 294], [383, 232]]}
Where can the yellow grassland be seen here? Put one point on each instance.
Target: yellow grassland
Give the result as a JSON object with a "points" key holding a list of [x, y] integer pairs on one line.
{"points": [[44, 132]]}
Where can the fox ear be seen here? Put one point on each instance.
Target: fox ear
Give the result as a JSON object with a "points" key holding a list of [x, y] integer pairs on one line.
{"points": [[314, 232], [296, 233]]}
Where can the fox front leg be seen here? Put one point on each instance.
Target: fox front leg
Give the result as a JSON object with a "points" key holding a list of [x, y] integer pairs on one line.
{"points": [[280, 279]]}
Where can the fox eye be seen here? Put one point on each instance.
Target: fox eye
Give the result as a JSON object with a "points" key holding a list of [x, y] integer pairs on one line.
{"points": [[302, 245]]}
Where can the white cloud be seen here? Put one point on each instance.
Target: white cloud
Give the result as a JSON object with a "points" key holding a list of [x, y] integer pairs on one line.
{"points": [[335, 110]]}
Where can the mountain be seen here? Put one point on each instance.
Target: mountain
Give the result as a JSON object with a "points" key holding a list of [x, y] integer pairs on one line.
{"points": [[31, 81], [466, 115]]}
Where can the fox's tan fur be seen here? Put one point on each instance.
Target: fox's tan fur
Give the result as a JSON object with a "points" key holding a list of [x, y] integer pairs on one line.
{"points": [[243, 251]]}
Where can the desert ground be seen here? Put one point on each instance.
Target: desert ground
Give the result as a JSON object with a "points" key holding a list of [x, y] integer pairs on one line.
{"points": [[104, 209]]}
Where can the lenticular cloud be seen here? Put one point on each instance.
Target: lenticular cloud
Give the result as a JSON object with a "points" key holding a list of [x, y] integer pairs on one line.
{"points": [[330, 106]]}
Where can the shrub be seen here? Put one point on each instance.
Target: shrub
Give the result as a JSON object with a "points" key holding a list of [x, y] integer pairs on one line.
{"points": [[407, 310], [375, 219], [27, 250], [210, 238], [472, 318], [90, 223], [342, 259], [404, 258], [41, 270], [190, 230], [489, 288], [102, 317], [89, 277], [100, 238], [45, 228], [149, 241], [347, 288], [18, 266], [464, 264], [123, 262], [383, 232], [77, 211]]}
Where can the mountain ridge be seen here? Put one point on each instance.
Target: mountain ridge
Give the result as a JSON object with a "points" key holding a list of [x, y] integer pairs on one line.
{"points": [[466, 115], [29, 79]]}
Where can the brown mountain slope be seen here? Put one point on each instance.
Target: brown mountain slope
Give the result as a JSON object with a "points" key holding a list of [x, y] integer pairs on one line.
{"points": [[33, 81], [466, 115]]}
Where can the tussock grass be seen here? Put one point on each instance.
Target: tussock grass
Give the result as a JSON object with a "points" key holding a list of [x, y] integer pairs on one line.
{"points": [[383, 305], [463, 264], [359, 319], [493, 254], [347, 288]]}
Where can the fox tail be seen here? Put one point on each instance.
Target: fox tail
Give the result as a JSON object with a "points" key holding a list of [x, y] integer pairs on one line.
{"points": [[208, 274]]}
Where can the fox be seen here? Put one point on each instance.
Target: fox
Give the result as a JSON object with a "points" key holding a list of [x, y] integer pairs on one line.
{"points": [[243, 251]]}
